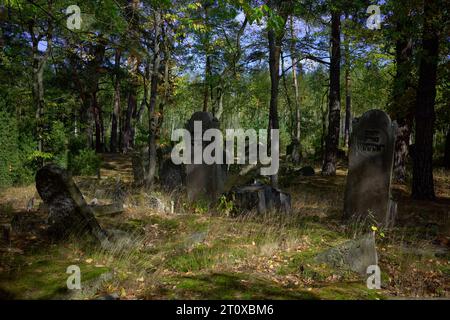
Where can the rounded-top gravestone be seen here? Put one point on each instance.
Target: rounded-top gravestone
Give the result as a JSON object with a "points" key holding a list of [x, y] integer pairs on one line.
{"points": [[371, 158]]}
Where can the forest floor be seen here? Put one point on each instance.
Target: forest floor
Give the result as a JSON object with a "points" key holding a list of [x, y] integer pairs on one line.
{"points": [[201, 253]]}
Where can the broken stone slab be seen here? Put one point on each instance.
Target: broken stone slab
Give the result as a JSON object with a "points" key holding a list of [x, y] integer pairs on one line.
{"points": [[157, 204], [68, 211], [107, 209], [355, 255], [90, 288], [260, 197]]}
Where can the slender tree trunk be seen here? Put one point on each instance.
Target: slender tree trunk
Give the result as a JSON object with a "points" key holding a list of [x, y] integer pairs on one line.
{"points": [[423, 185], [98, 122], [402, 104], [152, 105], [348, 94], [165, 100], [206, 48], [116, 107], [127, 135], [96, 109], [133, 60], [38, 94], [332, 139], [447, 150], [144, 103], [275, 41], [39, 62], [296, 150], [219, 98], [206, 83]]}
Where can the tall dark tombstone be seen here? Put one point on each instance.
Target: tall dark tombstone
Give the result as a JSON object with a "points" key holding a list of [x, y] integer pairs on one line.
{"points": [[371, 158], [204, 181]]}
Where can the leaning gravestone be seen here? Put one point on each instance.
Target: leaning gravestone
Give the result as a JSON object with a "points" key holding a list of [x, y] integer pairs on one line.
{"points": [[204, 180], [68, 211], [371, 157]]}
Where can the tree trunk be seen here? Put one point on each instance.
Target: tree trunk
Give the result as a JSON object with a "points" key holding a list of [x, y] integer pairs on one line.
{"points": [[98, 121], [152, 104], [323, 109], [275, 41], [133, 62], [116, 107], [332, 139], [39, 62], [144, 103], [206, 83], [403, 91], [165, 99], [99, 55], [348, 94], [38, 94], [219, 110], [401, 150], [423, 185], [296, 150]]}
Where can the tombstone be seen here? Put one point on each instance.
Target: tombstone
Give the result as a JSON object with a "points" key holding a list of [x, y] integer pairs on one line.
{"points": [[68, 211], [371, 157], [355, 255], [203, 180], [260, 197], [171, 176]]}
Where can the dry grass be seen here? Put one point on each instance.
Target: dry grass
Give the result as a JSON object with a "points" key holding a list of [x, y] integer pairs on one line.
{"points": [[199, 253]]}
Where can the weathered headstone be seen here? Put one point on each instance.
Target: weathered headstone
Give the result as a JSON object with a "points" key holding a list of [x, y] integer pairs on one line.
{"points": [[371, 157], [204, 180], [171, 176], [68, 211], [355, 255], [260, 197]]}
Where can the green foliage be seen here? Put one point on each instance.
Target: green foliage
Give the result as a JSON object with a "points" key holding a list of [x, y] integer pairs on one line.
{"points": [[225, 206], [86, 162], [9, 156], [39, 156], [56, 142]]}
